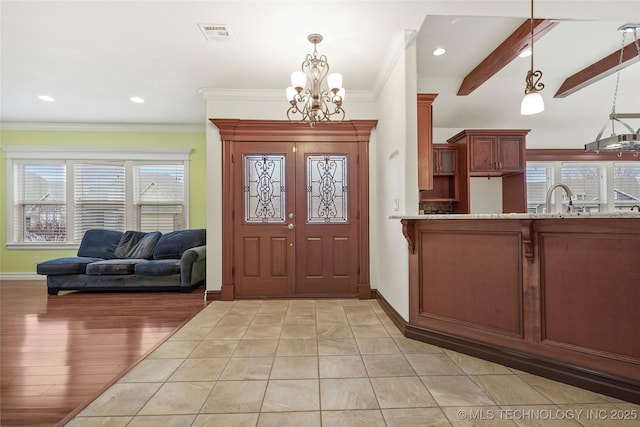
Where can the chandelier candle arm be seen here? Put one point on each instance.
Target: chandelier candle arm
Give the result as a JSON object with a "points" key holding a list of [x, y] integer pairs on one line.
{"points": [[314, 94]]}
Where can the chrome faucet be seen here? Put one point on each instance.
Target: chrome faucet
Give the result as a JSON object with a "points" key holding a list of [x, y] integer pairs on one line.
{"points": [[567, 190], [635, 206]]}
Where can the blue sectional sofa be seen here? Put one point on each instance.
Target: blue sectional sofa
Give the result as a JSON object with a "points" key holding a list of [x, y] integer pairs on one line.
{"points": [[109, 260]]}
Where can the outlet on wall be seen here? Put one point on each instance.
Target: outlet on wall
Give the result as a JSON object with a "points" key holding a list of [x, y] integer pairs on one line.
{"points": [[36, 259]]}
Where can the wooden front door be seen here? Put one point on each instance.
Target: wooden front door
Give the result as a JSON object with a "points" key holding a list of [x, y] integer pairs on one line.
{"points": [[295, 208], [295, 218]]}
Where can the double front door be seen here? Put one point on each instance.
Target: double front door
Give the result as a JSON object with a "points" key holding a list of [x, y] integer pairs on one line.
{"points": [[295, 218]]}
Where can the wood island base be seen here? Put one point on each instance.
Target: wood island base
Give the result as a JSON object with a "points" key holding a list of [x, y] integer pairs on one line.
{"points": [[557, 297]]}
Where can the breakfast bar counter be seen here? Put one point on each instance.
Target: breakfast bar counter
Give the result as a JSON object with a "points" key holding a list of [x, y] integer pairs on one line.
{"points": [[552, 294]]}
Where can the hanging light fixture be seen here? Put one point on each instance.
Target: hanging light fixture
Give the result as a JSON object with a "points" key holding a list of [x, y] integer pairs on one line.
{"points": [[532, 103], [320, 100], [625, 141]]}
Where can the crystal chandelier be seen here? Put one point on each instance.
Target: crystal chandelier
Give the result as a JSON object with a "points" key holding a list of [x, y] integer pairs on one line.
{"points": [[532, 103], [314, 94], [625, 141]]}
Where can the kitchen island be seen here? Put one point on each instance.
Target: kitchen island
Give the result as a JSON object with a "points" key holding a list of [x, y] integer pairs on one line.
{"points": [[552, 294]]}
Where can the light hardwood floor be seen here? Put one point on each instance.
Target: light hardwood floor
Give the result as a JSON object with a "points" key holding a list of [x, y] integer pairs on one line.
{"points": [[60, 352]]}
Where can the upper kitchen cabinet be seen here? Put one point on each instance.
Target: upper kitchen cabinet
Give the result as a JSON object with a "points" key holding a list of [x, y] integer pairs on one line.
{"points": [[493, 152], [425, 140], [445, 178]]}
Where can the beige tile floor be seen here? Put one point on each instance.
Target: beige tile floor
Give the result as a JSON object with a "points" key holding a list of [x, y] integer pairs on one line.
{"points": [[308, 363]]}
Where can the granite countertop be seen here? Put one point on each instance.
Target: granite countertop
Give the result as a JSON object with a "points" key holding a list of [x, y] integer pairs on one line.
{"points": [[633, 214]]}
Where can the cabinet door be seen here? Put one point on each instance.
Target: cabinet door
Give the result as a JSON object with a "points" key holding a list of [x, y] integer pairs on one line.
{"points": [[511, 153], [483, 154], [447, 161]]}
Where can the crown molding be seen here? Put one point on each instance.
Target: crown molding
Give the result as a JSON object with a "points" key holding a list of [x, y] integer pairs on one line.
{"points": [[105, 127], [397, 46]]}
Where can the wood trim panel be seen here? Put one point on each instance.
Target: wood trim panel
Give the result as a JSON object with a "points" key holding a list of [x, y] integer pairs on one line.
{"points": [[594, 255], [425, 140], [285, 131], [598, 70], [506, 52], [552, 155]]}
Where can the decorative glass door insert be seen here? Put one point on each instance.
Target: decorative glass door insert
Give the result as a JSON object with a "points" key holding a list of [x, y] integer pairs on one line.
{"points": [[327, 189], [264, 188]]}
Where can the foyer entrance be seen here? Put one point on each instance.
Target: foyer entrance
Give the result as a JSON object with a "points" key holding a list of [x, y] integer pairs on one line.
{"points": [[295, 214]]}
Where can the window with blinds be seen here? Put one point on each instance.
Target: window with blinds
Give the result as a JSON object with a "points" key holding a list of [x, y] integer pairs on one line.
{"points": [[99, 197], [39, 204], [587, 184], [59, 200], [158, 197], [539, 179], [626, 186], [604, 186]]}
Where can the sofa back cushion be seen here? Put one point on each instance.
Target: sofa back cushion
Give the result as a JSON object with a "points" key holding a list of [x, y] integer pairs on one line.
{"points": [[172, 245], [137, 244], [99, 243]]}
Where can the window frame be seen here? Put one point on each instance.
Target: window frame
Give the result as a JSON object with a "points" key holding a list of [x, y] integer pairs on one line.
{"points": [[71, 155]]}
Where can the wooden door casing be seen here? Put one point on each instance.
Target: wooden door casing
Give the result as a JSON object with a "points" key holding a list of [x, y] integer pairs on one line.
{"points": [[234, 131]]}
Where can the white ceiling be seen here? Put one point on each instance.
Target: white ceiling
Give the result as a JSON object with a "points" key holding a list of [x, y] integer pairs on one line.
{"points": [[91, 56]]}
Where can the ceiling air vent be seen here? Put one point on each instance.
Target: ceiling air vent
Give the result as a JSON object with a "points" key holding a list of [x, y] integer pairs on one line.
{"points": [[216, 32]]}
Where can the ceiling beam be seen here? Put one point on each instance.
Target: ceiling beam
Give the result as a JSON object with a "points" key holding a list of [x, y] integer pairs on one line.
{"points": [[505, 53], [598, 70]]}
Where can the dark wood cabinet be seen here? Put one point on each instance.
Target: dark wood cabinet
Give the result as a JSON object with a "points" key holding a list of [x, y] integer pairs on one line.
{"points": [[444, 160], [492, 153], [445, 178], [425, 140], [495, 155]]}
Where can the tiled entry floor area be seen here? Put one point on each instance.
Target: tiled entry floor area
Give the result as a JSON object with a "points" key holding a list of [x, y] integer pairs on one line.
{"points": [[329, 363]]}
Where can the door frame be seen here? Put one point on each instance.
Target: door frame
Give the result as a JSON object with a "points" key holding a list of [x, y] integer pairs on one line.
{"points": [[239, 130]]}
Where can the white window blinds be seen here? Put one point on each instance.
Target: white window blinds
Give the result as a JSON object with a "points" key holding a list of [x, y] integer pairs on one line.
{"points": [[39, 203], [99, 197], [586, 183], [626, 185], [539, 179], [158, 197]]}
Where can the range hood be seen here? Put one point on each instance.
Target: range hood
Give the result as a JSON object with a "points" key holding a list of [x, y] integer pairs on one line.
{"points": [[617, 142]]}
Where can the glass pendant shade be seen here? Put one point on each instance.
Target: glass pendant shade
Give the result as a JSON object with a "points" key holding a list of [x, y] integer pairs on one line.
{"points": [[334, 80], [532, 103], [298, 79], [291, 92]]}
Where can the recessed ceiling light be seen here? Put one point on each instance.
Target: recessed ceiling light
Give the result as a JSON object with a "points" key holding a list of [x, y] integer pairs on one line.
{"points": [[136, 99], [47, 98], [525, 53], [439, 51]]}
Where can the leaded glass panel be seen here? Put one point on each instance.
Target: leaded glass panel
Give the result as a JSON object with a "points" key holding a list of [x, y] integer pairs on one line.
{"points": [[327, 189], [264, 188]]}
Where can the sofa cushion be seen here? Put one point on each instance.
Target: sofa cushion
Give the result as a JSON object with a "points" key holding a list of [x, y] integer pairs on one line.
{"points": [[113, 266], [160, 267], [137, 244], [99, 243], [67, 265], [172, 245]]}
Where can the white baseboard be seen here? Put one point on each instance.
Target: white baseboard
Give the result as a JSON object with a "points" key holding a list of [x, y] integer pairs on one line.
{"points": [[22, 276]]}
